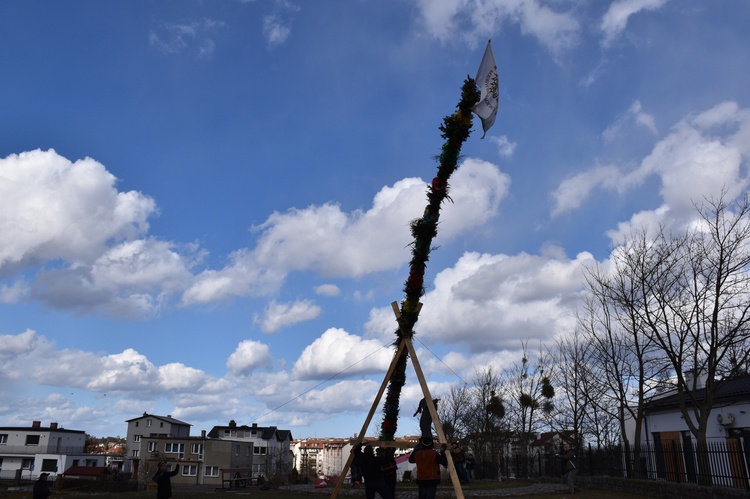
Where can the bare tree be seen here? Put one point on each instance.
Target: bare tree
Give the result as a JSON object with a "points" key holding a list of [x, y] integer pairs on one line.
{"points": [[697, 309], [625, 358], [452, 410], [530, 396], [483, 422]]}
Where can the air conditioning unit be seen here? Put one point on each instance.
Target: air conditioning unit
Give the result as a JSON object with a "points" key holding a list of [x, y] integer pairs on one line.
{"points": [[725, 419]]}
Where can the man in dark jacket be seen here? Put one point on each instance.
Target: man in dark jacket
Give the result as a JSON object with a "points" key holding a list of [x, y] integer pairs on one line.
{"points": [[163, 482], [372, 471], [41, 487], [428, 462]]}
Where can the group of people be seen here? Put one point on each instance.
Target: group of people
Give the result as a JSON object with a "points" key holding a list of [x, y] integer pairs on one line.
{"points": [[377, 469]]}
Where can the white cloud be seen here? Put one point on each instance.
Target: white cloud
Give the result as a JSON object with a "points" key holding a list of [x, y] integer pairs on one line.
{"points": [[249, 356], [277, 316], [473, 20], [701, 155], [505, 147], [327, 290], [333, 243], [574, 190], [489, 301], [277, 25], [54, 209], [615, 20], [338, 352], [195, 37], [635, 114]]}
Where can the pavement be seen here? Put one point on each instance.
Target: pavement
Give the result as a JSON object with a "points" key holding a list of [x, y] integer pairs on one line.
{"points": [[534, 489]]}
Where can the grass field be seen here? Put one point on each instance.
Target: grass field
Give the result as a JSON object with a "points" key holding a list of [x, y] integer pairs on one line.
{"points": [[475, 490]]}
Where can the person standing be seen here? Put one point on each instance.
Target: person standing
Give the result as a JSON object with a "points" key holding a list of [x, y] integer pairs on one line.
{"points": [[372, 471], [162, 479], [569, 466], [41, 487], [428, 462], [457, 454], [469, 465], [389, 467]]}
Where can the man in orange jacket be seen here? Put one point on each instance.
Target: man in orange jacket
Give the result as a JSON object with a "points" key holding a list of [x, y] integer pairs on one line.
{"points": [[428, 462]]}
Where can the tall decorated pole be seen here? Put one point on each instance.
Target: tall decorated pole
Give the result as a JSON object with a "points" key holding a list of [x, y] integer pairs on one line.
{"points": [[455, 129]]}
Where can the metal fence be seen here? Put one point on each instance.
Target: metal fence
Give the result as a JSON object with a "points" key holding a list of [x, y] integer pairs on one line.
{"points": [[721, 463]]}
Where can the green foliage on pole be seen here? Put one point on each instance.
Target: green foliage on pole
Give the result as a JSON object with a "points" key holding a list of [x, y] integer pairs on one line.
{"points": [[455, 129]]}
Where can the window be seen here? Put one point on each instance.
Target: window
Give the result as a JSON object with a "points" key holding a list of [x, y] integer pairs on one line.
{"points": [[259, 451], [26, 464], [137, 423], [136, 438], [32, 439], [75, 462], [237, 450], [135, 453], [174, 448], [148, 422], [189, 469], [161, 424], [211, 471], [196, 448], [152, 446], [3, 438], [49, 465], [230, 433]]}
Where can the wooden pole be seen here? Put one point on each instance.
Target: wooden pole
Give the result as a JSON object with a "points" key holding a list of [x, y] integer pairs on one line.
{"points": [[366, 424], [435, 419]]}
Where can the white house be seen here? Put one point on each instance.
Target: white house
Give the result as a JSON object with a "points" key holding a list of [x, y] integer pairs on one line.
{"points": [[25, 452], [671, 446]]}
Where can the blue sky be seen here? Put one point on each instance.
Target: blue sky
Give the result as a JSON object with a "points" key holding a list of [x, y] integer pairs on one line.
{"points": [[205, 205]]}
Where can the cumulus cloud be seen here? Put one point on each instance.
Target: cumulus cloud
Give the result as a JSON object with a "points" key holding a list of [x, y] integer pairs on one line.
{"points": [[702, 154], [334, 243], [489, 301], [70, 217], [55, 209], [475, 19], [338, 352], [615, 20], [277, 316], [249, 356]]}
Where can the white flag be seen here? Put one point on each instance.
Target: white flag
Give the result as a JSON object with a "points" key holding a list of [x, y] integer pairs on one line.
{"points": [[489, 87]]}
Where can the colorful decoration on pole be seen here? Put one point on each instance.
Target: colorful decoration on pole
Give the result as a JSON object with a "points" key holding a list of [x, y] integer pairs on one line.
{"points": [[455, 129]]}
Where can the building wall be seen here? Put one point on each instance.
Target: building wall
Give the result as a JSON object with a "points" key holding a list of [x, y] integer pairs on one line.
{"points": [[36, 449]]}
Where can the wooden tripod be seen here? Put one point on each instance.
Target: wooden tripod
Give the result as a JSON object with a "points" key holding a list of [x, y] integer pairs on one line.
{"points": [[404, 343]]}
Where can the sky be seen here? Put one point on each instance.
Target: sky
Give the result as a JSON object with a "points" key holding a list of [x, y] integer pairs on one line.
{"points": [[205, 205]]}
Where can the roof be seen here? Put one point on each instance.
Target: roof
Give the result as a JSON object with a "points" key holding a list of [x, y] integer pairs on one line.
{"points": [[87, 471], [263, 432], [729, 390], [41, 429], [168, 419]]}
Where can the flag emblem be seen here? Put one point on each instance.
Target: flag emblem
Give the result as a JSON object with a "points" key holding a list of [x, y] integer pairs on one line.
{"points": [[489, 86]]}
